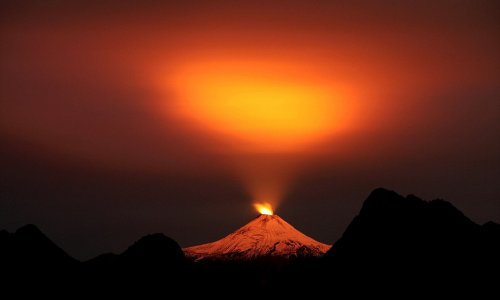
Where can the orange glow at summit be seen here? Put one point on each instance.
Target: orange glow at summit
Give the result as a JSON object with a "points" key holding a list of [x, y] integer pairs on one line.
{"points": [[264, 208], [257, 106]]}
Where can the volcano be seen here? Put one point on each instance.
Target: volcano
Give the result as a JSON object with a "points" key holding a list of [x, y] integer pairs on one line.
{"points": [[264, 236]]}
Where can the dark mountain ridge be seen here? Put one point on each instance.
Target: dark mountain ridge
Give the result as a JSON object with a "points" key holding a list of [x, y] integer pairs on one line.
{"points": [[414, 244], [394, 242]]}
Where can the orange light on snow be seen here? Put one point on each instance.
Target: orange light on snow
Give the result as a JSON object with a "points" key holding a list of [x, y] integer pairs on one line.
{"points": [[264, 208]]}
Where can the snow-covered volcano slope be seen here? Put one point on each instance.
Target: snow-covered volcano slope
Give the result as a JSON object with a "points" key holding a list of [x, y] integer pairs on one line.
{"points": [[266, 235]]}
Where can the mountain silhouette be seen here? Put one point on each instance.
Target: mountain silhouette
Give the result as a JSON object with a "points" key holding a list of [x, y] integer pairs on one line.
{"points": [[28, 258], [155, 260], [154, 253], [394, 244], [30, 262], [29, 249], [413, 243]]}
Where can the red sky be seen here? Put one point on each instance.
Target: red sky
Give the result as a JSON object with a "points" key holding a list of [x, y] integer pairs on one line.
{"points": [[94, 145]]}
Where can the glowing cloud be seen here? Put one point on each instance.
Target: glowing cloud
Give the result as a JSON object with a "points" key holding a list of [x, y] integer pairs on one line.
{"points": [[260, 105]]}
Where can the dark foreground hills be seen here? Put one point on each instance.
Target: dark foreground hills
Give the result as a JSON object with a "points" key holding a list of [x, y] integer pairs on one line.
{"points": [[396, 245]]}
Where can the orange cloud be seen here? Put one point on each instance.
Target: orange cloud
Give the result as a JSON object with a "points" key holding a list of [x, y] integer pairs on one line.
{"points": [[257, 106]]}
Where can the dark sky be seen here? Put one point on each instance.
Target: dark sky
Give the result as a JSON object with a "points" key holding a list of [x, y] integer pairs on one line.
{"points": [[101, 142]]}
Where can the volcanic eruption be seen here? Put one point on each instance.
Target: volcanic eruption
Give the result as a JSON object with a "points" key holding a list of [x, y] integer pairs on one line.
{"points": [[267, 235]]}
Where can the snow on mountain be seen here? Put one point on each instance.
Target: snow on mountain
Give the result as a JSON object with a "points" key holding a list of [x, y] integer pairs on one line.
{"points": [[266, 235]]}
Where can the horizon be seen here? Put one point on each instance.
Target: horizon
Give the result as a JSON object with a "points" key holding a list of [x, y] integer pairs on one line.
{"points": [[189, 253], [247, 232]]}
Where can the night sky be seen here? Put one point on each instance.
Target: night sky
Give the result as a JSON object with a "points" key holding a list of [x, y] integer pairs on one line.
{"points": [[119, 119]]}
